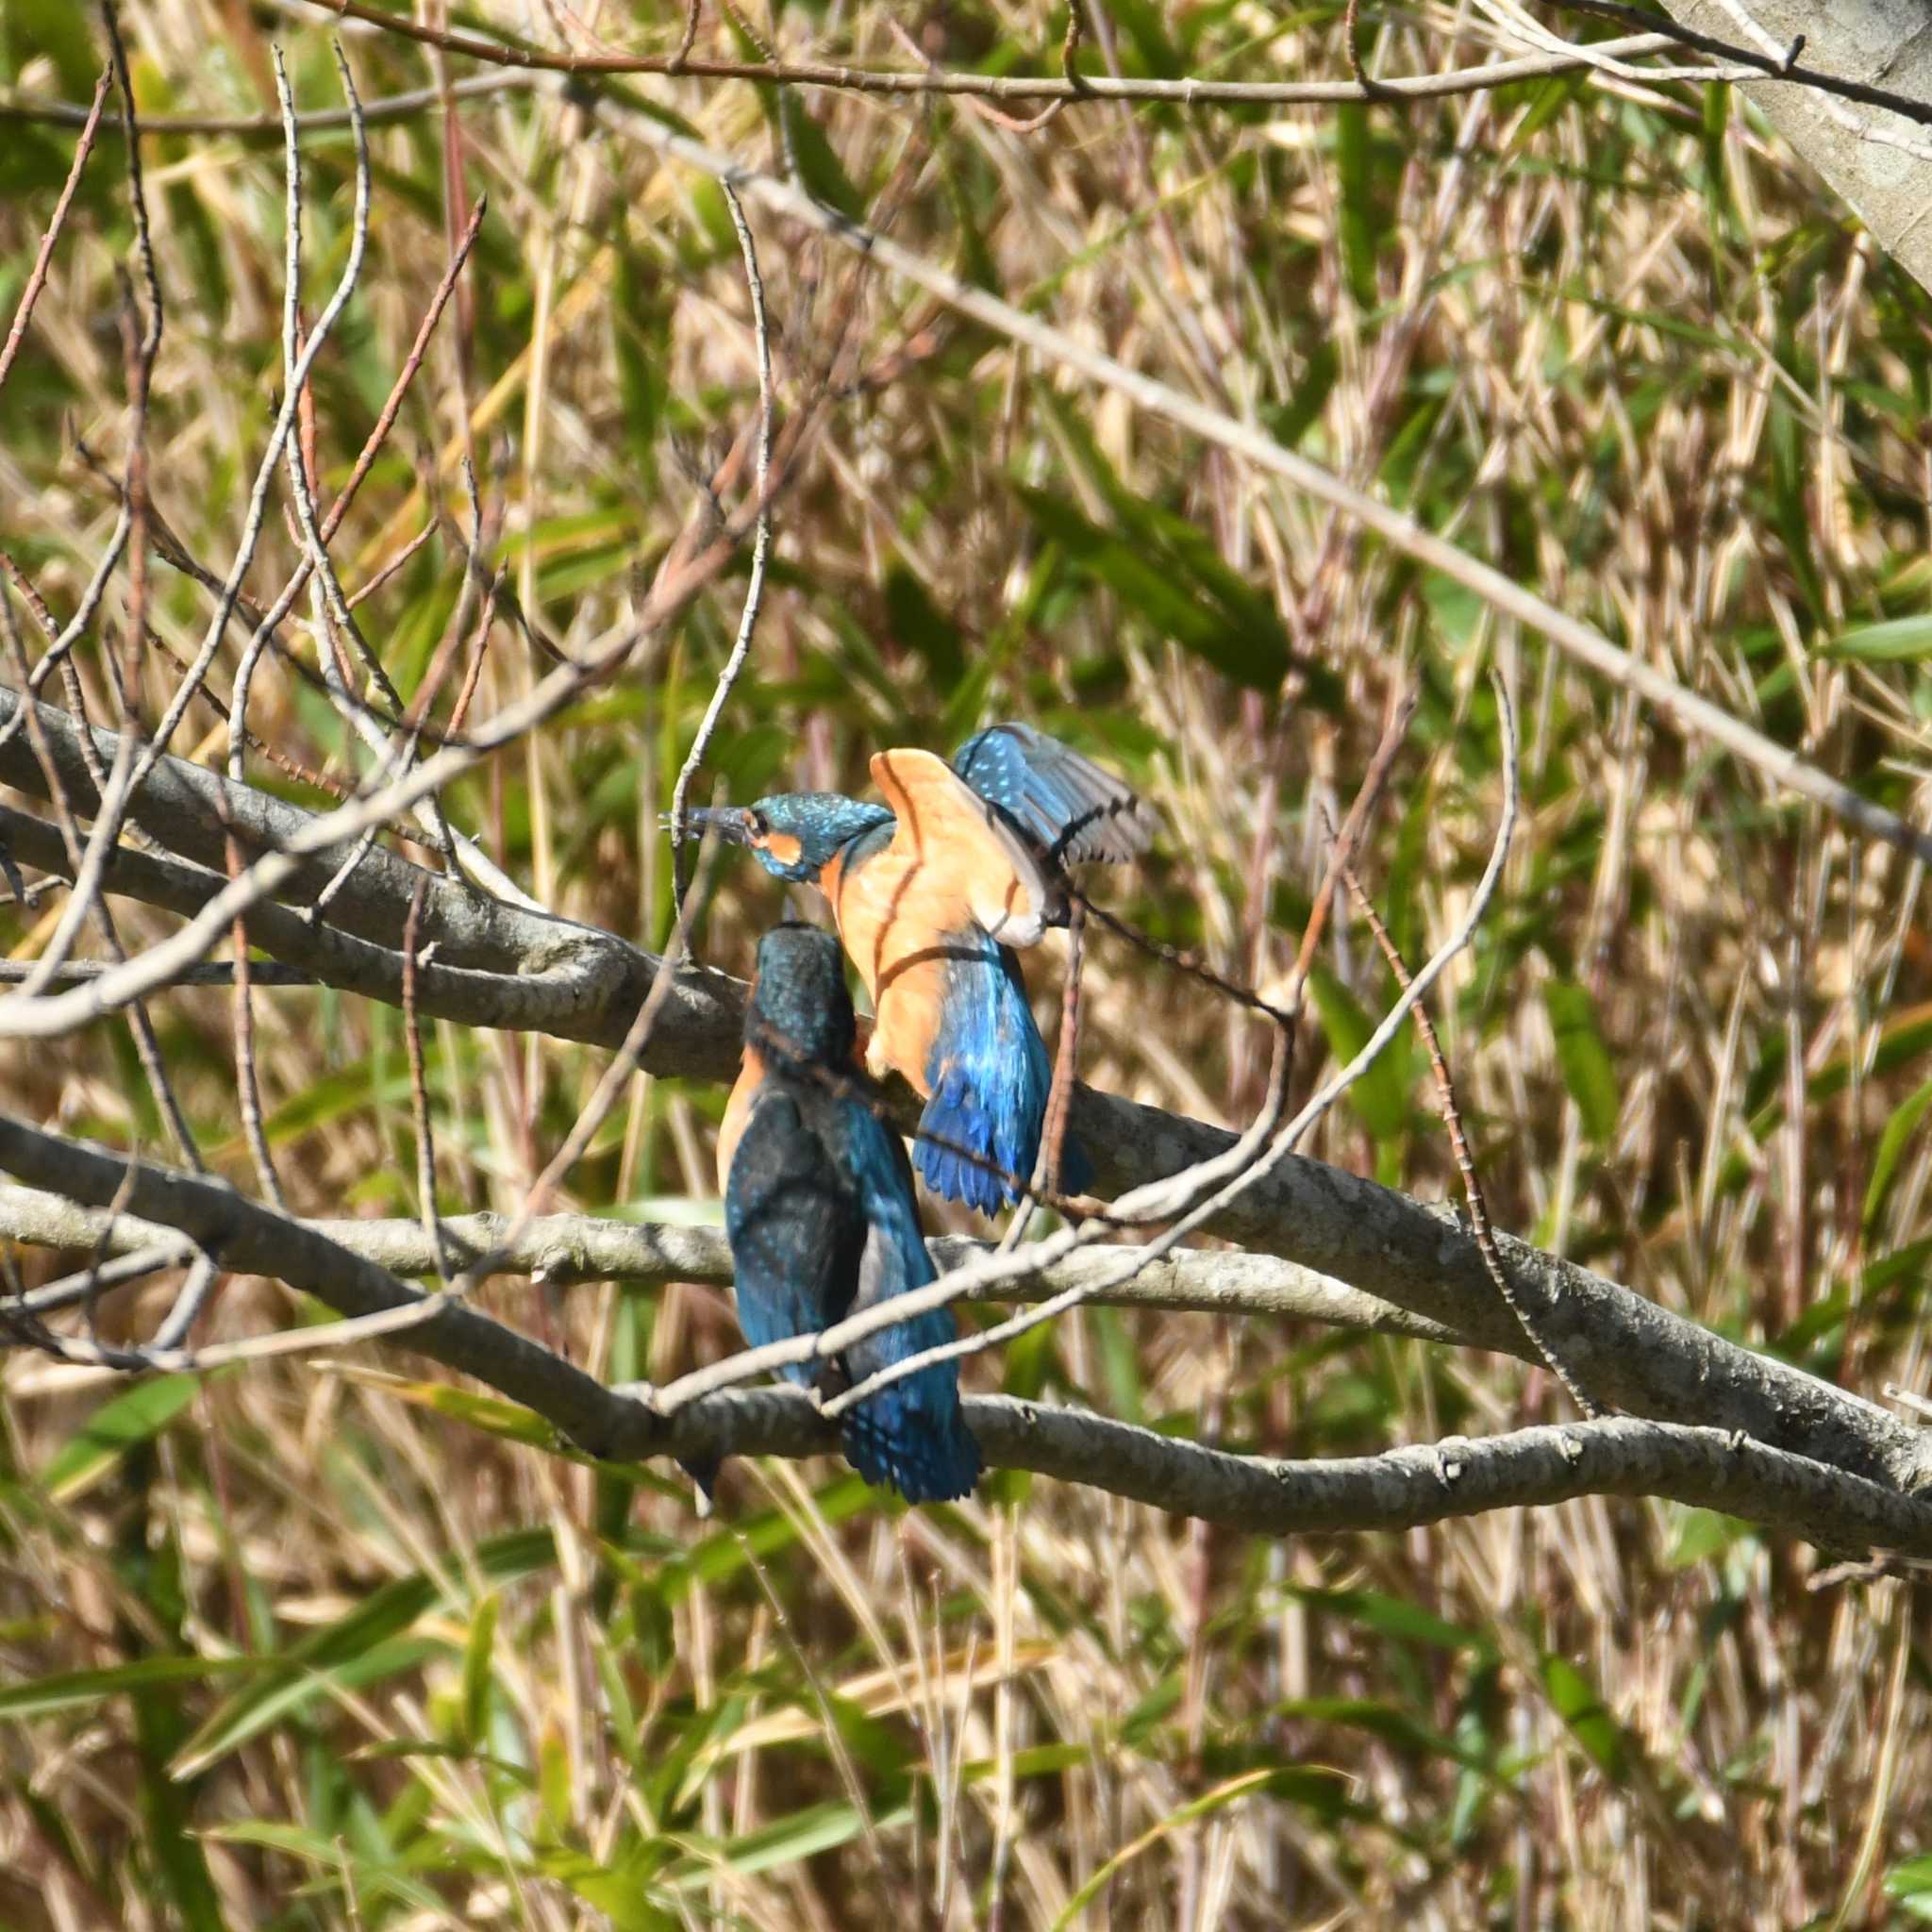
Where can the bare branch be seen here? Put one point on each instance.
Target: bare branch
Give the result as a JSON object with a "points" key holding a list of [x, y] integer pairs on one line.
{"points": [[1400, 1488], [25, 111], [36, 276], [563, 1250], [1067, 86], [247, 1237], [1465, 1160], [762, 541]]}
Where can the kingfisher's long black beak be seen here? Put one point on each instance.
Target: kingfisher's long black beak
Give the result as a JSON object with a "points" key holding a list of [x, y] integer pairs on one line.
{"points": [[732, 822]]}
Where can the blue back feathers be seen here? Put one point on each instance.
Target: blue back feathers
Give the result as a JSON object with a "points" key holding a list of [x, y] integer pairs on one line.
{"points": [[822, 1219], [799, 1006], [989, 1078]]}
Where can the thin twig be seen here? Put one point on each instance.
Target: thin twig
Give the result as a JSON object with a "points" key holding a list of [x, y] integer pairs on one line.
{"points": [[372, 443], [36, 276], [680, 53], [419, 1087], [28, 111], [40, 973], [762, 541], [1186, 92], [1465, 1162], [1066, 1060], [297, 380]]}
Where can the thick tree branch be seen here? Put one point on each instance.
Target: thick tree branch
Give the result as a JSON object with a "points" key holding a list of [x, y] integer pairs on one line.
{"points": [[1711, 1468], [563, 1249], [498, 965], [1872, 154], [243, 1237], [492, 964]]}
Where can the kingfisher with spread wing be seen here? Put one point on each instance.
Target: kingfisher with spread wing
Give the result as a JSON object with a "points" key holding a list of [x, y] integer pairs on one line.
{"points": [[933, 890]]}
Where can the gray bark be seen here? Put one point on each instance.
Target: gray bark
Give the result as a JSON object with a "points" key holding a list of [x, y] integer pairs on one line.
{"points": [[1865, 153], [513, 968]]}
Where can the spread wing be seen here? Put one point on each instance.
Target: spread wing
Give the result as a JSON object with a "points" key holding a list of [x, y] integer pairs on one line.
{"points": [[952, 843], [796, 1229], [1074, 809]]}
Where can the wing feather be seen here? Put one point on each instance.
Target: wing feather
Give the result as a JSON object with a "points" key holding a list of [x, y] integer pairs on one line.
{"points": [[796, 1229], [1074, 809]]}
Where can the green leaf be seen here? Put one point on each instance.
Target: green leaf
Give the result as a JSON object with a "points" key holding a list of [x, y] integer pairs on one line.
{"points": [[1250, 1784], [1380, 1097], [1698, 1535], [77, 1690], [355, 1649], [1391, 1616], [818, 166], [785, 1842], [1901, 639], [1291, 421], [1383, 1720], [1160, 566], [181, 1864], [367, 1879], [477, 1673], [1356, 214], [1588, 1071], [1143, 24], [1893, 1143], [1574, 1699], [1912, 1880], [1120, 1363], [112, 1430], [620, 1891], [916, 621]]}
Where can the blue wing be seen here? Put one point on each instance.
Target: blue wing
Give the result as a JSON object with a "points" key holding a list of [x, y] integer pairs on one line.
{"points": [[797, 1232], [910, 1435], [1064, 802]]}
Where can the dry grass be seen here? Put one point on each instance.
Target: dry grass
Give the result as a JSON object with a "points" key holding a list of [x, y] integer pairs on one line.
{"points": [[1611, 338]]}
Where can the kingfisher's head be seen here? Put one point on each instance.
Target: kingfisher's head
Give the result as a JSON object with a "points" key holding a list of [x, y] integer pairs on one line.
{"points": [[793, 833], [799, 1006]]}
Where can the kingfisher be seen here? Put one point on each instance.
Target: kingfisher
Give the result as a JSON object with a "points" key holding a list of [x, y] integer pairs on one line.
{"points": [[823, 1223], [933, 892]]}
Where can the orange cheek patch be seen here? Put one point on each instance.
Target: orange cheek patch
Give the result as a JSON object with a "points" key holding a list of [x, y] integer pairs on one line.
{"points": [[783, 847]]}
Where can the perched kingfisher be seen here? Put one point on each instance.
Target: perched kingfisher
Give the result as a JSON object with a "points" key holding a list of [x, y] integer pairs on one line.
{"points": [[819, 1210], [932, 891]]}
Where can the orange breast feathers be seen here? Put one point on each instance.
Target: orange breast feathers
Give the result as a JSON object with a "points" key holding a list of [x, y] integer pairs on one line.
{"points": [[959, 847], [953, 865], [751, 1076]]}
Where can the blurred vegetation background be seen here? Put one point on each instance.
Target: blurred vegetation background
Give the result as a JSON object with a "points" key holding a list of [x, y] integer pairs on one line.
{"points": [[296, 1645]]}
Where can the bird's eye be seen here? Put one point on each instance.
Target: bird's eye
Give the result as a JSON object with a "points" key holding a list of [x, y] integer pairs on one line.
{"points": [[758, 824]]}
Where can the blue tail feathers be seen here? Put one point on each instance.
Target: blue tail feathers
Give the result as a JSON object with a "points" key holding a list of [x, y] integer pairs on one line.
{"points": [[920, 1447]]}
